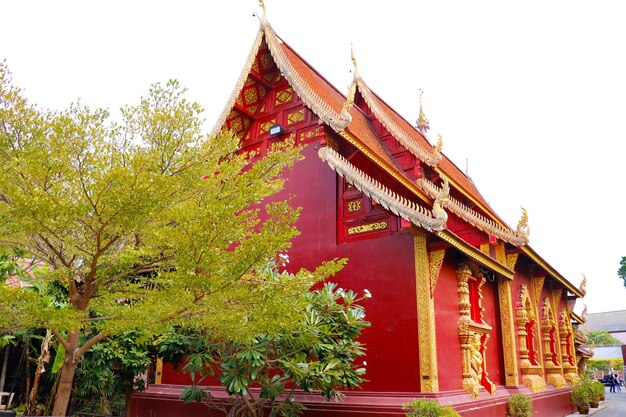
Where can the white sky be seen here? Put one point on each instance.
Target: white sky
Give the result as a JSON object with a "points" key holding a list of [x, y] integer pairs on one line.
{"points": [[532, 94]]}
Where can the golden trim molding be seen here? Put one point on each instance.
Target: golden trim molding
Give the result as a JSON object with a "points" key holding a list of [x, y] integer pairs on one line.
{"points": [[240, 83], [427, 339], [511, 260], [435, 261], [550, 270], [508, 332], [474, 253]]}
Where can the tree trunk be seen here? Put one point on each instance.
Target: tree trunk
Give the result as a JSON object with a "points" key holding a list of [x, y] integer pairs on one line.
{"points": [[64, 390], [3, 376], [42, 360]]}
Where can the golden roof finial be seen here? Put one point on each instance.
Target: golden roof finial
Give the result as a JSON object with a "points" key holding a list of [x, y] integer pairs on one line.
{"points": [[522, 227], [422, 122], [583, 315], [583, 285], [356, 68], [264, 17], [439, 143]]}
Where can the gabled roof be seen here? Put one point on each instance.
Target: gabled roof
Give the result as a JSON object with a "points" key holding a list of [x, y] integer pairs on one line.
{"points": [[352, 124], [611, 321]]}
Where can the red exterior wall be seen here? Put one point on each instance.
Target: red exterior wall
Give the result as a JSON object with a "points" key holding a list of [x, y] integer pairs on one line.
{"points": [[446, 321]]}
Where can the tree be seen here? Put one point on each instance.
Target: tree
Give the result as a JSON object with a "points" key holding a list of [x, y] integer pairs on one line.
{"points": [[321, 354], [603, 338], [143, 224], [621, 272]]}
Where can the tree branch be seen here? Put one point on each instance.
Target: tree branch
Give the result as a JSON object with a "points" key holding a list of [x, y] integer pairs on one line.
{"points": [[61, 340], [88, 344]]}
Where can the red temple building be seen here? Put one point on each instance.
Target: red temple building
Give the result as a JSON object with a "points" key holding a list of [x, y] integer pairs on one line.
{"points": [[464, 310]]}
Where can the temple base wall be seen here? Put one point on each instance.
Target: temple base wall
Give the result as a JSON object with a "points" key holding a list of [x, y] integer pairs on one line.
{"points": [[163, 401]]}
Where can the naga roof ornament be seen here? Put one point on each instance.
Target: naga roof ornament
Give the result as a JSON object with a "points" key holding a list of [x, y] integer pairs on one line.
{"points": [[522, 227], [583, 315], [423, 124], [345, 118], [583, 286], [473, 217], [400, 206], [264, 17]]}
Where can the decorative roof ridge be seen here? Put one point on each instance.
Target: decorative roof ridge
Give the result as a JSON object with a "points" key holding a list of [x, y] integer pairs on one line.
{"points": [[474, 218], [408, 210], [534, 256], [240, 83], [322, 109], [399, 133]]}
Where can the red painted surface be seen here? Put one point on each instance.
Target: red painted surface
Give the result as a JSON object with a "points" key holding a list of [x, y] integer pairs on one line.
{"points": [[162, 401], [446, 321], [381, 261]]}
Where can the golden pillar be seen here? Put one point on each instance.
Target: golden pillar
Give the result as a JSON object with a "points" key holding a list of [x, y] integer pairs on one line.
{"points": [[509, 347], [427, 339]]}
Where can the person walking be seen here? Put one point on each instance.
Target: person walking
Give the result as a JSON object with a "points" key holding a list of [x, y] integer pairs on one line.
{"points": [[618, 383], [611, 383]]}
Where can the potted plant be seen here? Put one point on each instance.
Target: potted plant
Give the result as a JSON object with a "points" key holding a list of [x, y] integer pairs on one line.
{"points": [[581, 397], [427, 408], [520, 405], [597, 390]]}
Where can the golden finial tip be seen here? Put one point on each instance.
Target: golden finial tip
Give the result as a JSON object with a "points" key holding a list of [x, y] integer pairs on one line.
{"points": [[439, 142], [423, 124], [356, 69]]}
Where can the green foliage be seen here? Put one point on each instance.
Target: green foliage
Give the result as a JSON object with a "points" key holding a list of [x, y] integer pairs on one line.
{"points": [[318, 354], [603, 338], [520, 405], [585, 392], [621, 272], [581, 395], [143, 224], [604, 364], [597, 390], [108, 372], [428, 408]]}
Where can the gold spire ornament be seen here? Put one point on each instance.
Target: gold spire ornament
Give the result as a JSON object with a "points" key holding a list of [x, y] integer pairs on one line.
{"points": [[583, 315], [423, 124]]}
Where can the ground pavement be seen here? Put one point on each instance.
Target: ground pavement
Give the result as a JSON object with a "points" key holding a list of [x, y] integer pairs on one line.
{"points": [[615, 404]]}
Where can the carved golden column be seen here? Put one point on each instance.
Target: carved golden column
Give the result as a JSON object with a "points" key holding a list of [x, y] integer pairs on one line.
{"points": [[568, 355], [508, 332], [524, 314], [550, 332], [427, 339], [473, 335], [509, 347], [536, 286]]}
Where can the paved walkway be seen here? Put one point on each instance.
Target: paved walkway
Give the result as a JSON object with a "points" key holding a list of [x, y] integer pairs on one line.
{"points": [[614, 405]]}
